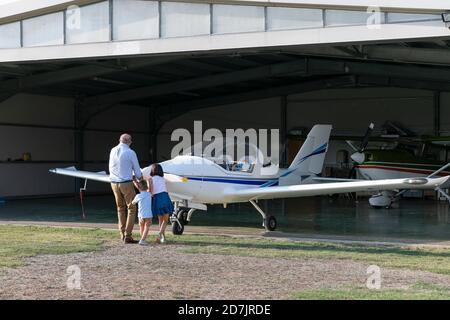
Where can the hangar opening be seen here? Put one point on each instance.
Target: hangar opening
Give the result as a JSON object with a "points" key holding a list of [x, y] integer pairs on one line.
{"points": [[77, 74]]}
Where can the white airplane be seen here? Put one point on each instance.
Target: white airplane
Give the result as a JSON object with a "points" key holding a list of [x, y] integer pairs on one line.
{"points": [[193, 182]]}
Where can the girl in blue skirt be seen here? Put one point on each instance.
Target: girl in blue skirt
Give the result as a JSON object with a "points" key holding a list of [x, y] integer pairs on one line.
{"points": [[162, 206]]}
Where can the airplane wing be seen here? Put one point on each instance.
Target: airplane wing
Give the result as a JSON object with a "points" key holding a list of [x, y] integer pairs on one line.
{"points": [[307, 190], [73, 172], [102, 176]]}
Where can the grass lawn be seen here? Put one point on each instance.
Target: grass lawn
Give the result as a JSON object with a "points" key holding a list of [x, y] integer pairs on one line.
{"points": [[18, 242], [432, 260], [419, 291]]}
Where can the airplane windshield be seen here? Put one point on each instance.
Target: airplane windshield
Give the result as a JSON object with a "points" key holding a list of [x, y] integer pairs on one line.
{"points": [[238, 166]]}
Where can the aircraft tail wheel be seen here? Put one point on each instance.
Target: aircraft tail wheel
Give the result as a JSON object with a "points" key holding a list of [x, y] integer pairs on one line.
{"points": [[177, 228], [271, 223]]}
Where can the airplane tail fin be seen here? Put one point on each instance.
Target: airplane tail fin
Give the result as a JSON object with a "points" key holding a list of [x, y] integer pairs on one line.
{"points": [[310, 158]]}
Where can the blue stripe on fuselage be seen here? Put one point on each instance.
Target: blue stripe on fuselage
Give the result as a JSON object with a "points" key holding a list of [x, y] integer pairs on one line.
{"points": [[233, 180]]}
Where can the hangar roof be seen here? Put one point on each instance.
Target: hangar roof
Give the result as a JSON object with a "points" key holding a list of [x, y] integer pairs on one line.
{"points": [[177, 83]]}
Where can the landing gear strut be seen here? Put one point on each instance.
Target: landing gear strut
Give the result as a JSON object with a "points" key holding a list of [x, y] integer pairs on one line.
{"points": [[177, 222], [269, 222]]}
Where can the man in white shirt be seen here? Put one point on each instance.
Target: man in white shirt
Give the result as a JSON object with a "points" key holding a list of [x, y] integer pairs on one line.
{"points": [[123, 163]]}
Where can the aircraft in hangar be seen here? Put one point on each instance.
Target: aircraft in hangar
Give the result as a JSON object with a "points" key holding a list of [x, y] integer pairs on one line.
{"points": [[400, 154], [193, 182]]}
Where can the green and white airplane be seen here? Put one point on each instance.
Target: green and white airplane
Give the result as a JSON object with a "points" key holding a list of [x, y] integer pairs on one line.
{"points": [[410, 157]]}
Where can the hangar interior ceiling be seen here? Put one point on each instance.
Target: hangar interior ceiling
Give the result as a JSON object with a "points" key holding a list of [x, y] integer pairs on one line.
{"points": [[165, 87], [171, 85]]}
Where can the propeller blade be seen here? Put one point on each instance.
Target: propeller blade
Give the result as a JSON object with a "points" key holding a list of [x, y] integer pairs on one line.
{"points": [[366, 138]]}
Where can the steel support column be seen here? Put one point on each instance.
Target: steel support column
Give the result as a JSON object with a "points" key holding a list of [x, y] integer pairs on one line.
{"points": [[79, 136], [283, 131], [78, 143], [437, 113], [153, 128]]}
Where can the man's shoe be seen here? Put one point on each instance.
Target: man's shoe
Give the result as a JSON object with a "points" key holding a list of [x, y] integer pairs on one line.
{"points": [[162, 239], [143, 243], [128, 240]]}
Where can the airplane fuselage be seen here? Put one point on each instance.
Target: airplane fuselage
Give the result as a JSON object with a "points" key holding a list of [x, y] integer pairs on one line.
{"points": [[204, 181], [375, 170]]}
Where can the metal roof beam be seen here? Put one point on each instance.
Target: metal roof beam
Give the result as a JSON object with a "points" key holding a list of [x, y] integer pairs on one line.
{"points": [[78, 73], [334, 82], [394, 53], [408, 54], [400, 71], [200, 82], [380, 81]]}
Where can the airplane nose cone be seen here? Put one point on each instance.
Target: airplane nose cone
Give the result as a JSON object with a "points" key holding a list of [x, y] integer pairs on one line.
{"points": [[358, 157]]}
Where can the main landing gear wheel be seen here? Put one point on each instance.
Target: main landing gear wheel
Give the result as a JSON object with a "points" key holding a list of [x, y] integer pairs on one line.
{"points": [[183, 217], [179, 221], [177, 228], [271, 223]]}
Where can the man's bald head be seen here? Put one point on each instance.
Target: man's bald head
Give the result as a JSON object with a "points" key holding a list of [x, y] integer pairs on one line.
{"points": [[125, 138]]}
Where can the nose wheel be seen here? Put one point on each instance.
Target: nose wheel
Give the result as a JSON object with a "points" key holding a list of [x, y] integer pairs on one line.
{"points": [[179, 219], [177, 228]]}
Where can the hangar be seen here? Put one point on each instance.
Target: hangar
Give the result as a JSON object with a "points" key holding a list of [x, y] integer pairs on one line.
{"points": [[76, 74]]}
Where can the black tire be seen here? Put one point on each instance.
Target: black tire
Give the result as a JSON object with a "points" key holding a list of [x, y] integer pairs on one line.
{"points": [[271, 223], [177, 229], [182, 216]]}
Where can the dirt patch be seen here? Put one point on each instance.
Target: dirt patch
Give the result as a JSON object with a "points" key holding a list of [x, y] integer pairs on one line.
{"points": [[164, 272]]}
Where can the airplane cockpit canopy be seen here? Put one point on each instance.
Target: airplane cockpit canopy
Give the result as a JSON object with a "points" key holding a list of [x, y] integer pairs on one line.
{"points": [[229, 158]]}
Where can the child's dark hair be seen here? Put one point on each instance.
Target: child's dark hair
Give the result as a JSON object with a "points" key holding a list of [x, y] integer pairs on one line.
{"points": [[156, 170], [143, 185]]}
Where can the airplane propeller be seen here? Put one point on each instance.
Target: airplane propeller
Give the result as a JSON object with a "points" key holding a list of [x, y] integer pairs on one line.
{"points": [[359, 156]]}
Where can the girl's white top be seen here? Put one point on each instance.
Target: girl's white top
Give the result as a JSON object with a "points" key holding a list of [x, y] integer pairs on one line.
{"points": [[159, 184]]}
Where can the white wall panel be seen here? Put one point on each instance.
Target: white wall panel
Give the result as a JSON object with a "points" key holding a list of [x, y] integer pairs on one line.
{"points": [[184, 19], [335, 18], [10, 35], [97, 145], [30, 179], [44, 30], [408, 17], [445, 113], [293, 18], [233, 19], [88, 24], [43, 144], [135, 19], [38, 110]]}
